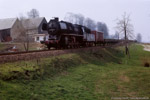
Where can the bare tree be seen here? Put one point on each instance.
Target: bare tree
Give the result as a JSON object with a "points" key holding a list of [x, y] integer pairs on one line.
{"points": [[69, 17], [139, 37], [125, 27], [80, 19], [90, 23], [21, 16], [24, 37], [103, 28], [34, 13], [117, 35], [74, 18]]}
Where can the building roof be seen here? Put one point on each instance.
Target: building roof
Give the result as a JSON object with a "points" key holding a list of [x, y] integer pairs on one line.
{"points": [[32, 23], [7, 23]]}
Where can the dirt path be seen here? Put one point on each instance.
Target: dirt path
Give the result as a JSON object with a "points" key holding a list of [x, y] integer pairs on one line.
{"points": [[146, 47]]}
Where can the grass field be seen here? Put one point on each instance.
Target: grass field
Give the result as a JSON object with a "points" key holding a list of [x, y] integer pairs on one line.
{"points": [[89, 75]]}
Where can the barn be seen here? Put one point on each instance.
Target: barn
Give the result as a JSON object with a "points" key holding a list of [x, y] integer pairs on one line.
{"points": [[9, 29]]}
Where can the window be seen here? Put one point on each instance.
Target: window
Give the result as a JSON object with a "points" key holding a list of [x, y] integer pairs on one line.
{"points": [[37, 38]]}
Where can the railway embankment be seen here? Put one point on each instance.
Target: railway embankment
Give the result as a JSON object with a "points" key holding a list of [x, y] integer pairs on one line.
{"points": [[26, 56], [94, 74]]}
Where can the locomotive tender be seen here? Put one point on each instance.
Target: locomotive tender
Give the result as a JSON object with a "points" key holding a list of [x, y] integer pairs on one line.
{"points": [[63, 34]]}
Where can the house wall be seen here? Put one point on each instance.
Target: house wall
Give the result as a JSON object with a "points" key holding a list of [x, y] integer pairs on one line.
{"points": [[39, 38], [38, 30], [32, 31], [16, 30], [31, 34]]}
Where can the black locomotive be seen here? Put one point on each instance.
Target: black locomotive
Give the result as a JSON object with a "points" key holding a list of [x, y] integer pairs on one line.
{"points": [[67, 35]]}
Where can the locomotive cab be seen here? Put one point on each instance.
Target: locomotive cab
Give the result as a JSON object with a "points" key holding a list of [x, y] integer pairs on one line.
{"points": [[78, 29], [87, 36]]}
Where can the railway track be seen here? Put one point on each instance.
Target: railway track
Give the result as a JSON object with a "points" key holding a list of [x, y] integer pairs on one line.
{"points": [[37, 51], [38, 54], [21, 52]]}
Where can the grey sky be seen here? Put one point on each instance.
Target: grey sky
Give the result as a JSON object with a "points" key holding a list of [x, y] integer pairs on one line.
{"points": [[100, 10]]}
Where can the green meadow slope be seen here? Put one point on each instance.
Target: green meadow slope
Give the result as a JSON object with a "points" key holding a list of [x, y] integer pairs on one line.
{"points": [[88, 75]]}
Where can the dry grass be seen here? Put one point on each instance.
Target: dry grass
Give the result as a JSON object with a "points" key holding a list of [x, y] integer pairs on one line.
{"points": [[124, 78], [20, 47]]}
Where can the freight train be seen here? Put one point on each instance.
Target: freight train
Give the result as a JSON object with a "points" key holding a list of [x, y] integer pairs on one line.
{"points": [[63, 34]]}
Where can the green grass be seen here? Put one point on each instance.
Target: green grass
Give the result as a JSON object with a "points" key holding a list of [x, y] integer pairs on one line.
{"points": [[89, 75]]}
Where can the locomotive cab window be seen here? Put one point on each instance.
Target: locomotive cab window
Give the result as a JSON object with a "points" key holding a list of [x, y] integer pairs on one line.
{"points": [[63, 25]]}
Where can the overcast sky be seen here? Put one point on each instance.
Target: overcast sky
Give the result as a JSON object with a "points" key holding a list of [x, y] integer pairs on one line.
{"points": [[99, 10]]}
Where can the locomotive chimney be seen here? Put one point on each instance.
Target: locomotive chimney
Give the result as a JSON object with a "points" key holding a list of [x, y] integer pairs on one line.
{"points": [[56, 19]]}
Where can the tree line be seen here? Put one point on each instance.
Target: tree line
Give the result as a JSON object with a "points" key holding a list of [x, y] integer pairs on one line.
{"points": [[93, 25], [88, 22]]}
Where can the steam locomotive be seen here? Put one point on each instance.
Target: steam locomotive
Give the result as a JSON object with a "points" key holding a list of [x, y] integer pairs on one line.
{"points": [[63, 34]]}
